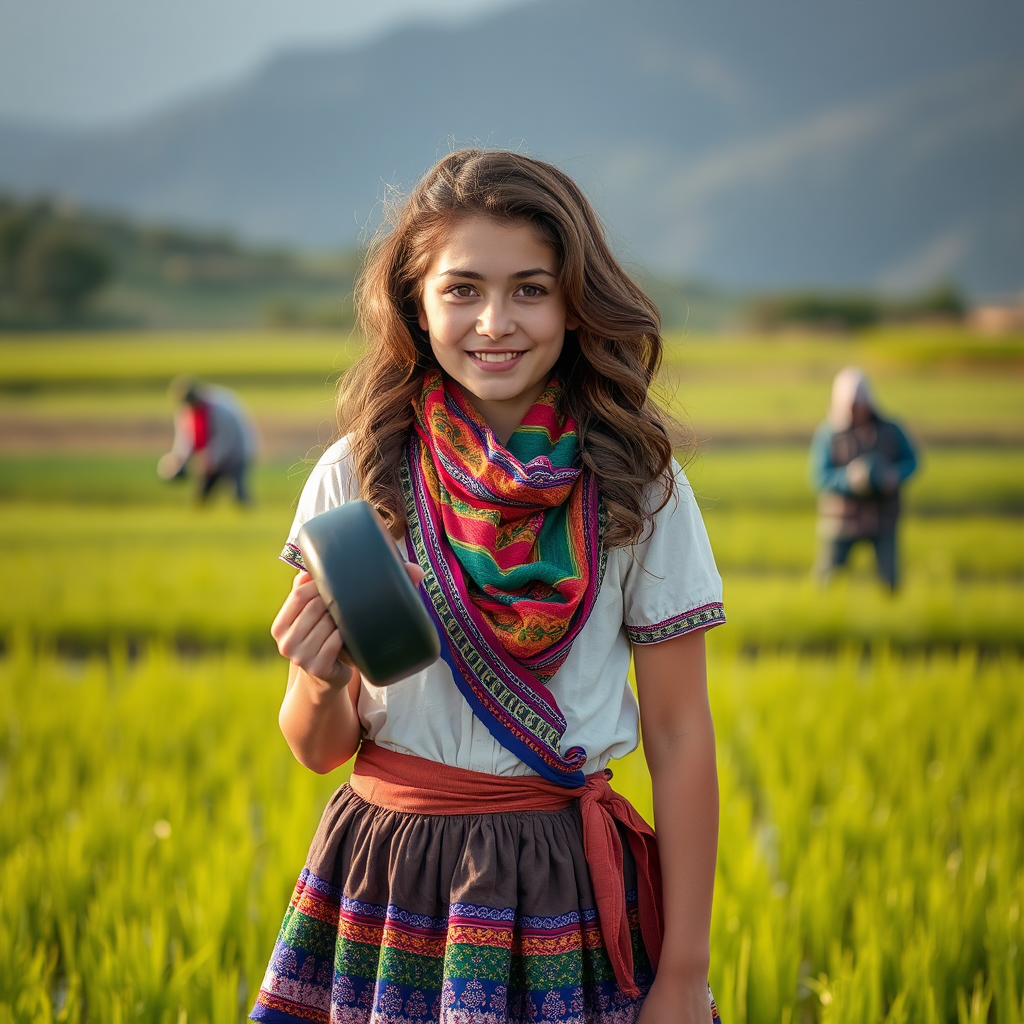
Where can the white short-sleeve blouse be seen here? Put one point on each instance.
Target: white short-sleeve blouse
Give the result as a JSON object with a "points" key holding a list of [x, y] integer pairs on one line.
{"points": [[665, 585]]}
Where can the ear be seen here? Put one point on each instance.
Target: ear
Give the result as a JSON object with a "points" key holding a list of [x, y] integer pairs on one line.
{"points": [[421, 318], [571, 323]]}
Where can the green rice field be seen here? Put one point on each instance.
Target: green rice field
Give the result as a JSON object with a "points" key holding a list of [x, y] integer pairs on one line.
{"points": [[153, 821]]}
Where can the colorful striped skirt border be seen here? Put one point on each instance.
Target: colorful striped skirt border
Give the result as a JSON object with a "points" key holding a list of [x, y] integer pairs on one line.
{"points": [[402, 918]]}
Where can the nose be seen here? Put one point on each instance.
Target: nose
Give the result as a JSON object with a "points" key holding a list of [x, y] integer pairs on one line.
{"points": [[495, 320]]}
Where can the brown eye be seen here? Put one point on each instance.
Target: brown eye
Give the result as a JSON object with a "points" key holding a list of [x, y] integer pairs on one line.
{"points": [[531, 291], [462, 291]]}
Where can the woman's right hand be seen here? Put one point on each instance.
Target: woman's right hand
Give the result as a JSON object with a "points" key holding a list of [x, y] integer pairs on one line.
{"points": [[307, 636]]}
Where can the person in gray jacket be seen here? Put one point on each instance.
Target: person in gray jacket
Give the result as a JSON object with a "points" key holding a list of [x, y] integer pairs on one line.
{"points": [[213, 429], [858, 463]]}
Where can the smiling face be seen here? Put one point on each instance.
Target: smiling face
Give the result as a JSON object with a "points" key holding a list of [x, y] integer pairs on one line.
{"points": [[493, 307]]}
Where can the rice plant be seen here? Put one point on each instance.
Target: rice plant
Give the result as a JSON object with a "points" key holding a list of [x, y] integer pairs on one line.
{"points": [[870, 869]]}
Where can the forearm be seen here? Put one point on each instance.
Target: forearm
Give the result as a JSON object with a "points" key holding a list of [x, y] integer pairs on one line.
{"points": [[319, 721], [685, 781]]}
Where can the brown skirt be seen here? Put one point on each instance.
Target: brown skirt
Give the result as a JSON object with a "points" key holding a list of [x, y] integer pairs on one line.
{"points": [[402, 918]]}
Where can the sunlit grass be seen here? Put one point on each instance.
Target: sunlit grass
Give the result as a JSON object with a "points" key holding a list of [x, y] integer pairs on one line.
{"points": [[194, 577], [152, 359], [723, 405], [288, 401], [768, 612], [939, 549], [128, 484], [153, 824], [197, 578], [943, 383], [870, 862], [871, 855], [963, 481], [152, 820], [949, 480]]}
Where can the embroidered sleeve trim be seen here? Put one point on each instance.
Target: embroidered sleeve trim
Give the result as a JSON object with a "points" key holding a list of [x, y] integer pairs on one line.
{"points": [[293, 556], [706, 616]]}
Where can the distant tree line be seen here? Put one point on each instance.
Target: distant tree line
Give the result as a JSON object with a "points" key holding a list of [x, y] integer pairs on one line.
{"points": [[852, 311], [55, 261], [49, 266]]}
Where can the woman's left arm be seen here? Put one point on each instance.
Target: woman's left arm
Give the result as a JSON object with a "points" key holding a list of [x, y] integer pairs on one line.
{"points": [[679, 744]]}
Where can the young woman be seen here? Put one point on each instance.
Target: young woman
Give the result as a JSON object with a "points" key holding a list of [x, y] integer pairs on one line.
{"points": [[478, 866]]}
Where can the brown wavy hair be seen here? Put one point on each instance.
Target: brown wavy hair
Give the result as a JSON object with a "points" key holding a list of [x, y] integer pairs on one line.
{"points": [[607, 363]]}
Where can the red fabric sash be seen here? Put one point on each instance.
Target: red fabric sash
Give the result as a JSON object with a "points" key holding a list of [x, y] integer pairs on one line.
{"points": [[416, 785]]}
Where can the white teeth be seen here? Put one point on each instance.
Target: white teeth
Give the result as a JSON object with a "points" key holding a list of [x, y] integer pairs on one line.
{"points": [[495, 357]]}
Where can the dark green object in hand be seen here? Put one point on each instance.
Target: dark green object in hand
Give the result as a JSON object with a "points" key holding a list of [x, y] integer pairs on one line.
{"points": [[379, 613]]}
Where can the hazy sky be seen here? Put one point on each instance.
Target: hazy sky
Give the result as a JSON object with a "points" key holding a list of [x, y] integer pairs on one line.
{"points": [[94, 62]]}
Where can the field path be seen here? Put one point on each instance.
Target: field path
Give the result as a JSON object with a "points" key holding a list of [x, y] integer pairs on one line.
{"points": [[141, 435], [281, 437]]}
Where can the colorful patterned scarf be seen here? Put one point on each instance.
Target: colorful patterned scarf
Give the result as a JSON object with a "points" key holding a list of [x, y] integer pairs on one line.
{"points": [[510, 539]]}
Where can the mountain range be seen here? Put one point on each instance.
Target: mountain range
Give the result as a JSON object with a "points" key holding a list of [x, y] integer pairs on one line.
{"points": [[754, 143]]}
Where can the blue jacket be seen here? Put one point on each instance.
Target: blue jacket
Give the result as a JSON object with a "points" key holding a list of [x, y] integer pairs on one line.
{"points": [[885, 446]]}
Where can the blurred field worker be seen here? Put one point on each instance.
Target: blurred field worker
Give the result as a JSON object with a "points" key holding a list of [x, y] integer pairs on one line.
{"points": [[213, 429], [858, 463]]}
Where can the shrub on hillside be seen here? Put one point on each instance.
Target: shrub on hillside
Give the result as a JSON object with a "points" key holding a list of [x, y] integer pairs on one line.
{"points": [[841, 312], [49, 267]]}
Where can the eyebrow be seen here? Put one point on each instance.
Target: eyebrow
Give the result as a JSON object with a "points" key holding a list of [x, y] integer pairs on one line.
{"points": [[519, 275]]}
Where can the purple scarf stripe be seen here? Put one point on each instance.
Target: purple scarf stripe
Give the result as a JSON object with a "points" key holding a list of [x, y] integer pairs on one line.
{"points": [[475, 487]]}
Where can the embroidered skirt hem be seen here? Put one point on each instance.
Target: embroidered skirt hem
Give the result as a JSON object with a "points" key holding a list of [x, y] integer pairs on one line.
{"points": [[402, 918]]}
